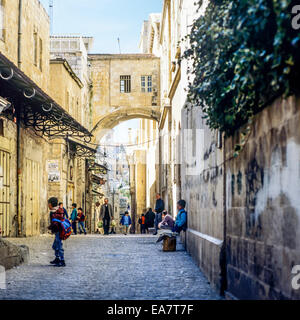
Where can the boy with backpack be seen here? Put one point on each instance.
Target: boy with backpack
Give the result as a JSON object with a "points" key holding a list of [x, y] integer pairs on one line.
{"points": [[81, 219], [61, 227]]}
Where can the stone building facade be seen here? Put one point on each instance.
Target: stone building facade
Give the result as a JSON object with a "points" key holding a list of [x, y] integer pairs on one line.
{"points": [[126, 87], [24, 187], [36, 109], [120, 91], [262, 205]]}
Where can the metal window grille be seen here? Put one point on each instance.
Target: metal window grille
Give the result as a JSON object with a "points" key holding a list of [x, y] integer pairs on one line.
{"points": [[41, 54], [35, 48], [125, 84], [149, 84], [146, 83], [143, 83]]}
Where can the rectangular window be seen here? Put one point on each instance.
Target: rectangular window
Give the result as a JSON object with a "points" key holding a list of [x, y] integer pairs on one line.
{"points": [[1, 128], [35, 48], [143, 83], [149, 83], [41, 54], [146, 83], [2, 20], [125, 84]]}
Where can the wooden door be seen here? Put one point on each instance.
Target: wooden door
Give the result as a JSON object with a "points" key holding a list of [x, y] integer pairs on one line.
{"points": [[4, 193], [32, 198]]}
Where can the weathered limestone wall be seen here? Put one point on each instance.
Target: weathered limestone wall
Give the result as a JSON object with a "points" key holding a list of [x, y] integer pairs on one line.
{"points": [[34, 182], [35, 25], [9, 45], [8, 144], [263, 206], [110, 106], [65, 88], [12, 255], [202, 188], [140, 183]]}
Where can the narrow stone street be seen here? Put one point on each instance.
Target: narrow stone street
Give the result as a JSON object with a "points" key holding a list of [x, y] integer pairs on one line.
{"points": [[113, 267]]}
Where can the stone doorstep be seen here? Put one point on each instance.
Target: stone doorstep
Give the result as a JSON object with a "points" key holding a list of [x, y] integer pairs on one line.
{"points": [[12, 255]]}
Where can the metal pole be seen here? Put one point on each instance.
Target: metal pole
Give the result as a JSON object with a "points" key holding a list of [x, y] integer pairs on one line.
{"points": [[18, 140]]}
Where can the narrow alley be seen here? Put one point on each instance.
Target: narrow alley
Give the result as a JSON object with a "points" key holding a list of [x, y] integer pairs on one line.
{"points": [[138, 121], [107, 268]]}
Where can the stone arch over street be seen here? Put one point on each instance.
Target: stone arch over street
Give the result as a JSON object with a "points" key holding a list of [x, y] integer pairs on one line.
{"points": [[124, 87], [121, 114]]}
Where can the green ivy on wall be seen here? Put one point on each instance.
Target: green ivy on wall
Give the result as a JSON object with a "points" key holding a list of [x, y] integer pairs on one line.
{"points": [[244, 54]]}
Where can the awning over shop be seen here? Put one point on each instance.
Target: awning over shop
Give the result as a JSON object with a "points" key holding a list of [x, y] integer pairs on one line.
{"points": [[97, 180], [98, 168], [98, 193], [80, 150], [34, 107]]}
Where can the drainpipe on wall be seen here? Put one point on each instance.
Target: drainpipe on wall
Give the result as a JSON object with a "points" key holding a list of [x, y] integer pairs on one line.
{"points": [[19, 213], [223, 262]]}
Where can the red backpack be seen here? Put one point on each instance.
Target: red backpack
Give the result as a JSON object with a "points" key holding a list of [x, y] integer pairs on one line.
{"points": [[66, 229]]}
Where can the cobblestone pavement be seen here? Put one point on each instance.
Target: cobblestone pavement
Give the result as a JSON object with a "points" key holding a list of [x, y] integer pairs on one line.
{"points": [[107, 267]]}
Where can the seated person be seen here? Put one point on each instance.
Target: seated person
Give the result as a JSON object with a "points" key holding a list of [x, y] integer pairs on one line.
{"points": [[167, 221], [181, 219]]}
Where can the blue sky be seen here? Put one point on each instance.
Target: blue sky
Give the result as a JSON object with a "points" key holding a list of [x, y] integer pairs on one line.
{"points": [[105, 20]]}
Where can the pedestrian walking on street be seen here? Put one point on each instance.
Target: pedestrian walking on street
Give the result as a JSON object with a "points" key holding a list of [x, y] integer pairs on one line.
{"points": [[181, 219], [159, 208], [61, 205], [149, 219], [81, 219], [126, 221], [96, 216], [142, 221], [74, 217], [106, 214], [62, 230]]}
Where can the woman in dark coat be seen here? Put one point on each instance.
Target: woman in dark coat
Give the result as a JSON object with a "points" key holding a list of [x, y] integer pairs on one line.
{"points": [[149, 219]]}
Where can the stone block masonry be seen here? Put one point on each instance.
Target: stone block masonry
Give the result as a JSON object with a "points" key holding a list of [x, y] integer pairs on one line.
{"points": [[263, 206], [12, 255]]}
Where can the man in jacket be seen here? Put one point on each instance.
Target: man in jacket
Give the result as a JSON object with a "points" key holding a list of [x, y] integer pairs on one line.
{"points": [[106, 214], [159, 208]]}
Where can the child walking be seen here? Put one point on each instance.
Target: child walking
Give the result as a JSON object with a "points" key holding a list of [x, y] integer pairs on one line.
{"points": [[126, 221], [81, 219], [56, 215]]}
